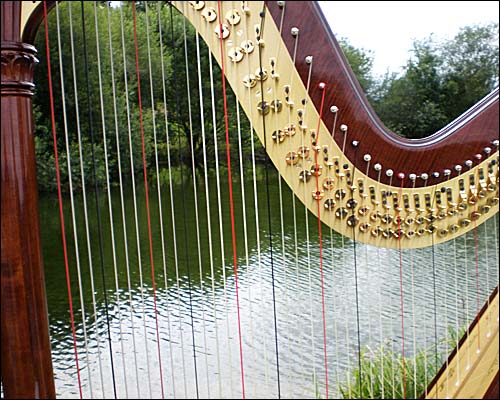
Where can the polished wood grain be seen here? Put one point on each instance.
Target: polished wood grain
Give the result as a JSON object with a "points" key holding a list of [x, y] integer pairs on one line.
{"points": [[449, 147], [25, 346]]}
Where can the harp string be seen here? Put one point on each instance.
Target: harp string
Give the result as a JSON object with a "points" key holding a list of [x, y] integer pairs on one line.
{"points": [[367, 158], [291, 130], [320, 237], [85, 207], [110, 208], [440, 252], [122, 206], [158, 184], [356, 282], [177, 277], [195, 208], [134, 198], [260, 35], [196, 196], [72, 203], [96, 197], [231, 204], [457, 336], [414, 324], [253, 140], [282, 229], [400, 251], [306, 176], [207, 196], [148, 214], [219, 213], [59, 196]]}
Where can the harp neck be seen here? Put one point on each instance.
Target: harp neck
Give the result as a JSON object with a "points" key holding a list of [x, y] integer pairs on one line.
{"points": [[468, 135]]}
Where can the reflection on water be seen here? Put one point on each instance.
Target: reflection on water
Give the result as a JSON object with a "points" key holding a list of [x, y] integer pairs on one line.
{"points": [[196, 296]]}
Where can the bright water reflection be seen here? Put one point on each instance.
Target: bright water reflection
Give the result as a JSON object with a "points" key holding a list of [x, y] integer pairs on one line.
{"points": [[203, 311]]}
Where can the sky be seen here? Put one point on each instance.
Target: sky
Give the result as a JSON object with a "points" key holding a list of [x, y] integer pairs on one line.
{"points": [[388, 28]]}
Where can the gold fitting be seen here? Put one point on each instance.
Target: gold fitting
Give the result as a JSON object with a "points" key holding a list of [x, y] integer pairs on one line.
{"points": [[236, 54], [303, 151], [363, 210], [341, 213], [247, 46], [197, 5], [340, 194], [249, 80], [464, 222], [352, 221], [225, 31], [318, 194], [351, 203], [316, 170], [278, 136], [233, 17], [442, 232], [209, 14], [292, 158], [329, 183], [263, 107], [474, 216], [330, 204], [364, 227], [305, 175], [276, 105], [454, 228], [290, 130]]}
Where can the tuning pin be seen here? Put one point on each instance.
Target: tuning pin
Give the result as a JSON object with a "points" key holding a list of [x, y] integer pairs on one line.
{"points": [[294, 31], [334, 109], [458, 168], [401, 175], [367, 157], [447, 172], [412, 177], [343, 128], [377, 167], [389, 172], [309, 59], [468, 163], [424, 176]]}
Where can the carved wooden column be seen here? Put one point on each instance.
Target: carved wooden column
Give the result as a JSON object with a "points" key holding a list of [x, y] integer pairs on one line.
{"points": [[25, 346]]}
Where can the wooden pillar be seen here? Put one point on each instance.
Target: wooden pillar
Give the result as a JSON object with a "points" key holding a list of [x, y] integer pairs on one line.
{"points": [[25, 346]]}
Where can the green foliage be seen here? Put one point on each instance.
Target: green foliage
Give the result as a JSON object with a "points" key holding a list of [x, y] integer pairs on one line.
{"points": [[361, 63], [109, 108], [386, 374], [440, 81], [101, 114]]}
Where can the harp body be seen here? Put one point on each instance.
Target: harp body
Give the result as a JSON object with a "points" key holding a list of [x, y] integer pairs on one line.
{"points": [[328, 158]]}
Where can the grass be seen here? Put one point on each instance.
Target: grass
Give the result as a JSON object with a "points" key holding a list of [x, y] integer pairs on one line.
{"points": [[386, 374]]}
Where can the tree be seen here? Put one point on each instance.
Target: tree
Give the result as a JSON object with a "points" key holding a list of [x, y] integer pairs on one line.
{"points": [[440, 81]]}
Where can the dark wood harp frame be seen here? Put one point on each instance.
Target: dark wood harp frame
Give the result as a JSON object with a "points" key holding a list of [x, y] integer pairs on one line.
{"points": [[471, 142]]}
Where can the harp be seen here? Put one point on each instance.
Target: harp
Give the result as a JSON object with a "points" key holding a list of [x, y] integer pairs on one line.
{"points": [[345, 172]]}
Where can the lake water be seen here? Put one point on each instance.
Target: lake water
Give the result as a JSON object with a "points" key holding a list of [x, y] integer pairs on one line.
{"points": [[196, 295]]}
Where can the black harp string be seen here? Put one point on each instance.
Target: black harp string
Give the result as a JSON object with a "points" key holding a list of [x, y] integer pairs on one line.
{"points": [[96, 188], [184, 208], [268, 200], [354, 250]]}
